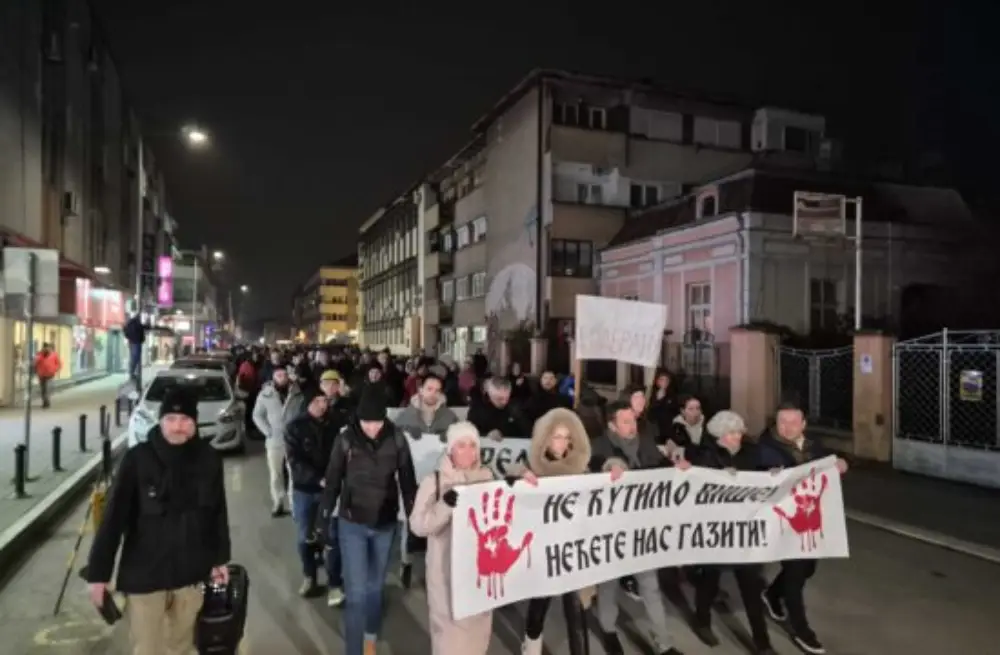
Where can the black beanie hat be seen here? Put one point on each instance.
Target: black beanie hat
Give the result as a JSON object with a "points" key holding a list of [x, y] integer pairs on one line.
{"points": [[178, 400], [372, 404], [309, 393]]}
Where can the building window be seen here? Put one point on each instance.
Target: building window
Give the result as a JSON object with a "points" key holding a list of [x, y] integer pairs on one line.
{"points": [[571, 258], [479, 334], [448, 292], [707, 206], [699, 307], [478, 229], [597, 118], [566, 114], [713, 132], [479, 284], [644, 195], [462, 288], [447, 241], [463, 236], [798, 139], [589, 194], [823, 304]]}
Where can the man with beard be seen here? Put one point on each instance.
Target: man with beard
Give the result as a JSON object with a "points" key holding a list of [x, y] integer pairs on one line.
{"points": [[167, 513], [493, 414]]}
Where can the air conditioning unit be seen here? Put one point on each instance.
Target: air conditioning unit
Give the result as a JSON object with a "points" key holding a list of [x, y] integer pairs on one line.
{"points": [[70, 205]]}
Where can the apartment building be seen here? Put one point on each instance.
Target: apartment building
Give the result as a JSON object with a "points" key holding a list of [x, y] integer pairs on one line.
{"points": [[390, 265], [326, 305], [551, 175], [72, 180]]}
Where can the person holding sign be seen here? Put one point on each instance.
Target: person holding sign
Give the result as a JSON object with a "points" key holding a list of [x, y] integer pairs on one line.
{"points": [[559, 446], [730, 451], [619, 450], [432, 518], [784, 446], [427, 414]]}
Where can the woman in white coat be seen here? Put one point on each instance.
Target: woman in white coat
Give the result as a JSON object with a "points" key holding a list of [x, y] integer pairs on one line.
{"points": [[431, 518]]}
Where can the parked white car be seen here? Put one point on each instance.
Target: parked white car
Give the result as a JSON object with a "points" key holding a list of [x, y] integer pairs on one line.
{"points": [[221, 410]]}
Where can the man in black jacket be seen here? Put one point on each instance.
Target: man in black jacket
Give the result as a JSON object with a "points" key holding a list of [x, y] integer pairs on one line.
{"points": [[309, 439], [619, 450], [367, 460], [494, 415], [167, 512]]}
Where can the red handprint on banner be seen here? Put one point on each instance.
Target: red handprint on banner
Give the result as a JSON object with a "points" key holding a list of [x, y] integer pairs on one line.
{"points": [[807, 521], [494, 554]]}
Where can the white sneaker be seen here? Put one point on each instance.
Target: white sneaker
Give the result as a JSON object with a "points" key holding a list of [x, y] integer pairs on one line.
{"points": [[531, 646], [334, 597]]}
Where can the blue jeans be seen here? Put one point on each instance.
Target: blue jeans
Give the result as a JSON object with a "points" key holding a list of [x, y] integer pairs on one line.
{"points": [[305, 507], [365, 552], [135, 364]]}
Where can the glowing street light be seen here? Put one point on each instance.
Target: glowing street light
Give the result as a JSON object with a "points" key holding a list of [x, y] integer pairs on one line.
{"points": [[102, 270], [218, 255], [244, 288], [195, 136]]}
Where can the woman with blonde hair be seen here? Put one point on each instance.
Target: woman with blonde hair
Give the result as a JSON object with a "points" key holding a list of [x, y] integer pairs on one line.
{"points": [[431, 518], [559, 446]]}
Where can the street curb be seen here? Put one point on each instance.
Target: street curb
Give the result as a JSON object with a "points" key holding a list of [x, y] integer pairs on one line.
{"points": [[19, 539], [928, 537]]}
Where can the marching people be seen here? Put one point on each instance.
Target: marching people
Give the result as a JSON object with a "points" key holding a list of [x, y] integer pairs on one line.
{"points": [[309, 441], [731, 451], [428, 413], [635, 397], [370, 469], [782, 446], [432, 518], [167, 513], [546, 398], [686, 430], [662, 400], [277, 404], [338, 407], [494, 415], [559, 446], [619, 450]]}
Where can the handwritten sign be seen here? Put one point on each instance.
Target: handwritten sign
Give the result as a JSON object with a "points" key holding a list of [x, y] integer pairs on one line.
{"points": [[622, 330]]}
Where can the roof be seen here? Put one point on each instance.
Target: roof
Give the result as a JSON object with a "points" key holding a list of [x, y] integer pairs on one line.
{"points": [[538, 75], [770, 189], [193, 372], [348, 261]]}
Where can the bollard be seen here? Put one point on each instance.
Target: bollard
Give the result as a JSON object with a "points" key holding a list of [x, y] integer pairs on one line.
{"points": [[19, 470], [105, 427], [118, 412], [83, 433], [106, 458], [57, 449]]}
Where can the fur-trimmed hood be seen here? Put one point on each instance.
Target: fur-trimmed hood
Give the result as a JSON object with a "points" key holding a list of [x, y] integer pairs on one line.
{"points": [[576, 460]]}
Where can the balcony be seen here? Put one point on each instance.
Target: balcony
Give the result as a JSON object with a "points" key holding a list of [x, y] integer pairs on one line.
{"points": [[446, 212], [439, 263]]}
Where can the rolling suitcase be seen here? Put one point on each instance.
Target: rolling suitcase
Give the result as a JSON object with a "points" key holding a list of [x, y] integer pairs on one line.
{"points": [[224, 614]]}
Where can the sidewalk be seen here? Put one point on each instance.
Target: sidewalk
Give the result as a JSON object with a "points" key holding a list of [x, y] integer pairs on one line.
{"points": [[952, 515], [48, 489]]}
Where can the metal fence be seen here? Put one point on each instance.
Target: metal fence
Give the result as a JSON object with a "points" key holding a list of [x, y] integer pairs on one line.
{"points": [[821, 381], [945, 389]]}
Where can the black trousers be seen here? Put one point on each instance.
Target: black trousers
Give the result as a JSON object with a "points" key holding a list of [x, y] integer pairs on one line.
{"points": [[576, 621], [749, 579], [788, 587]]}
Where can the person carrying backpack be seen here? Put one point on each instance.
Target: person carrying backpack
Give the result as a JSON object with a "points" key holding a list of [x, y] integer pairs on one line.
{"points": [[367, 460]]}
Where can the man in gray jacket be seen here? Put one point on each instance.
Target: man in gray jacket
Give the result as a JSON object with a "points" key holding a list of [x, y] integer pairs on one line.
{"points": [[279, 402], [427, 415]]}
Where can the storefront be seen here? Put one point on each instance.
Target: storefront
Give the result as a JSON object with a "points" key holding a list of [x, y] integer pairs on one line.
{"points": [[97, 343]]}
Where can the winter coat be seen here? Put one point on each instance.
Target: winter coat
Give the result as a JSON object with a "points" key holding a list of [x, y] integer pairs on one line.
{"points": [[774, 452], [368, 476], [683, 439], [540, 403], [575, 462], [308, 443], [167, 514], [487, 417], [411, 420], [606, 455], [271, 415], [431, 518]]}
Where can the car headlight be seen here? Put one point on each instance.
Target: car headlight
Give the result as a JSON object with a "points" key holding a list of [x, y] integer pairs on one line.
{"points": [[229, 416]]}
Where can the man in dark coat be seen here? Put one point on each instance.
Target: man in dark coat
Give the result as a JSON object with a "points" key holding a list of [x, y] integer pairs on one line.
{"points": [[167, 513]]}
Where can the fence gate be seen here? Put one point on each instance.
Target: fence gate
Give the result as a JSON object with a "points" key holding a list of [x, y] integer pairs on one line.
{"points": [[821, 382], [946, 416]]}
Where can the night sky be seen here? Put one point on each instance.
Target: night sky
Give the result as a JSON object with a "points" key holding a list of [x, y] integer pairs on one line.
{"points": [[320, 113]]}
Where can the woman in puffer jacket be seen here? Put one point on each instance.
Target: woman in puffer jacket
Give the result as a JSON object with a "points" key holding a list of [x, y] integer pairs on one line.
{"points": [[432, 518], [687, 430], [559, 446]]}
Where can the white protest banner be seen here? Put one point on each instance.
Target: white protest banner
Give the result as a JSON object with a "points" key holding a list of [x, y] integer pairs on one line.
{"points": [[497, 455], [623, 330], [568, 533]]}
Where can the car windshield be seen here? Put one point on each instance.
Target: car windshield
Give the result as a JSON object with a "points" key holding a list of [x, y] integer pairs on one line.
{"points": [[200, 365], [207, 389]]}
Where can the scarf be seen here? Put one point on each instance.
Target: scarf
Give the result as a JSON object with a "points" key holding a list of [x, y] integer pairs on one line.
{"points": [[628, 447]]}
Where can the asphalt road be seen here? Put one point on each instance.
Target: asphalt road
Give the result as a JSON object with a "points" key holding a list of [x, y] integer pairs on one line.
{"points": [[894, 595]]}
